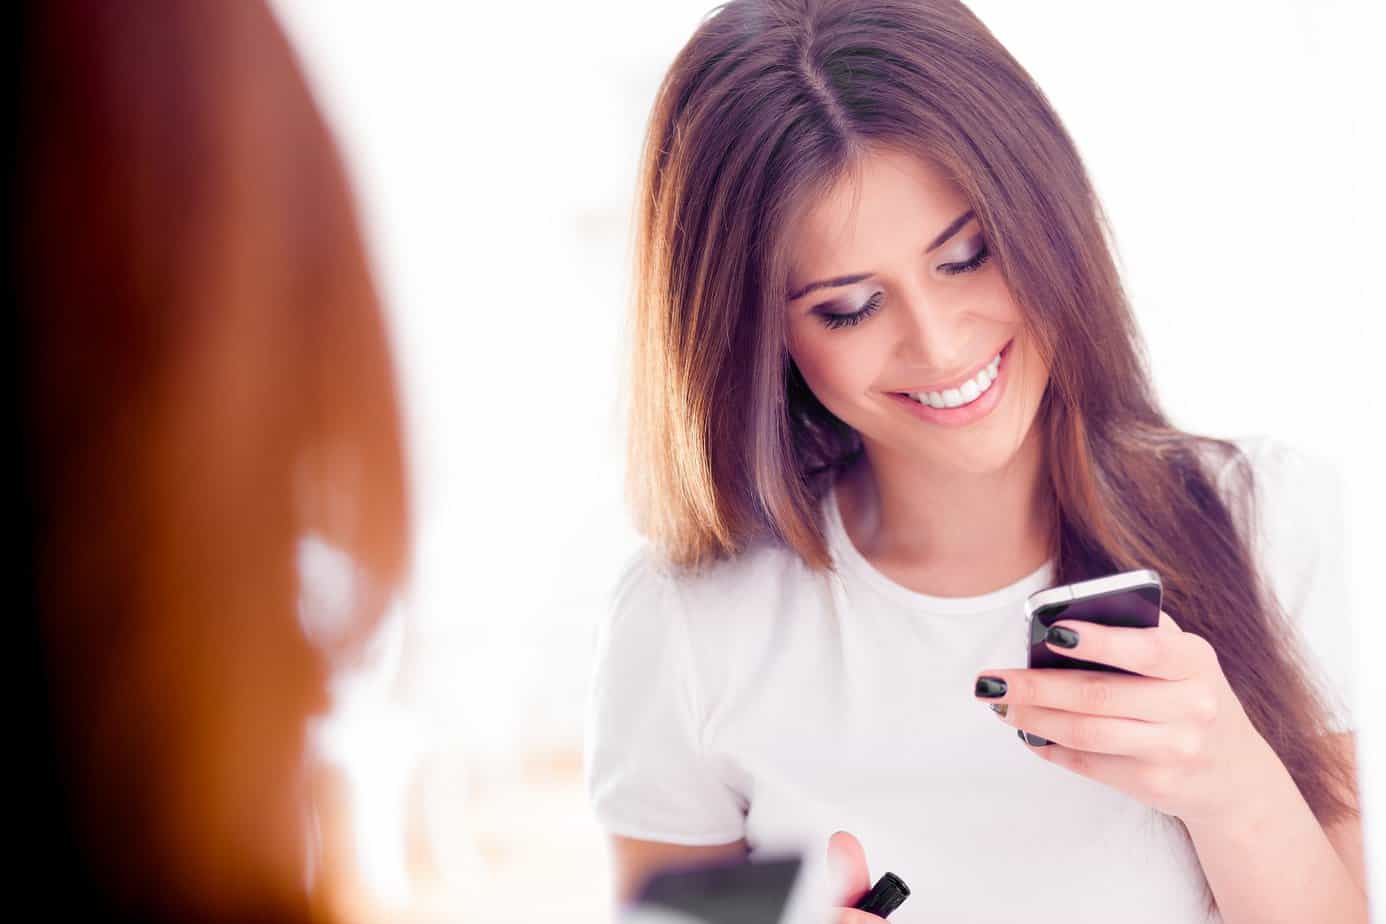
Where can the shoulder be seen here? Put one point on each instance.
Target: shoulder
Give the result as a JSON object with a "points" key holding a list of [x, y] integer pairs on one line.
{"points": [[1273, 453], [1299, 541], [1277, 487], [706, 626], [731, 595], [645, 569], [1288, 501]]}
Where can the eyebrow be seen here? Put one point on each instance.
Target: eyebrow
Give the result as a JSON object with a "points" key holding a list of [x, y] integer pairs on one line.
{"points": [[836, 281]]}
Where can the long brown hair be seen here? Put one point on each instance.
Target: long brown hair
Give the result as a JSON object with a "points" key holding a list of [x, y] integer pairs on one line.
{"points": [[769, 104], [206, 382]]}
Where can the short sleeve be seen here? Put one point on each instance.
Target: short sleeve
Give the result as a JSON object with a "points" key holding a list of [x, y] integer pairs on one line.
{"points": [[1300, 529], [644, 769]]}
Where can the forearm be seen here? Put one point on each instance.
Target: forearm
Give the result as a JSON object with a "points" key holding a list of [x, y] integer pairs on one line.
{"points": [[1270, 861]]}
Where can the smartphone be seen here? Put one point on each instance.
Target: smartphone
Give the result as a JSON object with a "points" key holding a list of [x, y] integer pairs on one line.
{"points": [[1131, 598], [725, 892]]}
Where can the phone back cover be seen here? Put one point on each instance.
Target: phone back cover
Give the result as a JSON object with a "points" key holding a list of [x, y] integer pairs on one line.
{"points": [[1138, 607], [747, 892]]}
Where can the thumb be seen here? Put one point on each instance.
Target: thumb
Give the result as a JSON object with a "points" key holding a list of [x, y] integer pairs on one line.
{"points": [[847, 861]]}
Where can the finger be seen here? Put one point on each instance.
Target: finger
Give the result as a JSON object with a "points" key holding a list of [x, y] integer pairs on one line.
{"points": [[1093, 693], [1132, 738], [857, 916], [1150, 652], [847, 860], [1127, 774], [1167, 621]]}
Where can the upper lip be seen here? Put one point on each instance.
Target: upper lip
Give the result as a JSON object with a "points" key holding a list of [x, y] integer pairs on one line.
{"points": [[956, 381]]}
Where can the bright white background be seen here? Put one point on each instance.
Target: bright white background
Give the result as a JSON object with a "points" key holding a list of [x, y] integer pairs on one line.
{"points": [[493, 148]]}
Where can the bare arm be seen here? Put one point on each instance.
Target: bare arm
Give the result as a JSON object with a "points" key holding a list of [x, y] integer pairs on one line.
{"points": [[633, 861], [1346, 834], [1278, 864]]}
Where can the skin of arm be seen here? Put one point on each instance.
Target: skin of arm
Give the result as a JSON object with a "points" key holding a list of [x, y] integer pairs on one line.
{"points": [[1273, 862], [1193, 754], [1346, 835]]}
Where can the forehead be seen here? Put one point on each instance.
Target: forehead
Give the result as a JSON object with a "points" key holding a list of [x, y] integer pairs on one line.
{"points": [[892, 203]]}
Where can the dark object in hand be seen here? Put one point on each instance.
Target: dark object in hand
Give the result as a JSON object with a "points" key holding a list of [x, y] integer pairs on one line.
{"points": [[885, 896]]}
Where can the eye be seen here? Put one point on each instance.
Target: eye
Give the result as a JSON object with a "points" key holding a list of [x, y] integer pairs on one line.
{"points": [[953, 269], [853, 318]]}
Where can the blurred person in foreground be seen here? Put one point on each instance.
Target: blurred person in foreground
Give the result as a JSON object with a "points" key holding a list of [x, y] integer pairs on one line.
{"points": [[204, 384]]}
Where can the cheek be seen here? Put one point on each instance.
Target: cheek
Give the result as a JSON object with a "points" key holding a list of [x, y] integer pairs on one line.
{"points": [[1036, 372], [840, 367]]}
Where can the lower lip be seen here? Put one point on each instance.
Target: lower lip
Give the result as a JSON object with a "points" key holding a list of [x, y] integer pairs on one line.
{"points": [[962, 416]]}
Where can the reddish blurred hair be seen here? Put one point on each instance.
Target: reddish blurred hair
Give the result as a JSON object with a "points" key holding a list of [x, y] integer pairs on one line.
{"points": [[206, 382]]}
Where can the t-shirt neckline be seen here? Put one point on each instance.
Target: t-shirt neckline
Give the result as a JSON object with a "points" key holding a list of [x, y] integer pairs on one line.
{"points": [[847, 556]]}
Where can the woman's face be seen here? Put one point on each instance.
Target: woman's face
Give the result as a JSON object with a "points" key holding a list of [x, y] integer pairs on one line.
{"points": [[930, 319]]}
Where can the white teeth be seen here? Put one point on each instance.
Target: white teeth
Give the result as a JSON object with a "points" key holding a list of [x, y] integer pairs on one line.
{"points": [[965, 393]]}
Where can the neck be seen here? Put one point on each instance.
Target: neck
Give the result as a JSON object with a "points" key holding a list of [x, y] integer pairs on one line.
{"points": [[967, 528]]}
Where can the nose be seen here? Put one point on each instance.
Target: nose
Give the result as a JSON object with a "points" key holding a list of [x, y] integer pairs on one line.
{"points": [[933, 338]]}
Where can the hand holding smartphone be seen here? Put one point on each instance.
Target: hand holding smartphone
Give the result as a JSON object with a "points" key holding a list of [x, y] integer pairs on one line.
{"points": [[1130, 598]]}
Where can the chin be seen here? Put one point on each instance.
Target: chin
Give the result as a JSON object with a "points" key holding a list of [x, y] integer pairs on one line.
{"points": [[985, 449], [985, 460]]}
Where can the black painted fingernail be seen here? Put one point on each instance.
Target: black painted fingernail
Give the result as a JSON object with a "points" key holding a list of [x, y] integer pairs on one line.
{"points": [[1062, 636], [991, 686], [1028, 738]]}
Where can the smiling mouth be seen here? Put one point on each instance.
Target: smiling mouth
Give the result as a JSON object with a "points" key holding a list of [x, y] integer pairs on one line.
{"points": [[1002, 353]]}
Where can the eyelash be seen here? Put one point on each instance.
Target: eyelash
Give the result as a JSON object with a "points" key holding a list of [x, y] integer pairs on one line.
{"points": [[853, 318]]}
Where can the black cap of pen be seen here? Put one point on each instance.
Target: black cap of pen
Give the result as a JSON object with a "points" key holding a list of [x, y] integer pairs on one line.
{"points": [[885, 896]]}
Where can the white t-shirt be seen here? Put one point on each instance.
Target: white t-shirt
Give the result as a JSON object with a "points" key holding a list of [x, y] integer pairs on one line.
{"points": [[759, 700]]}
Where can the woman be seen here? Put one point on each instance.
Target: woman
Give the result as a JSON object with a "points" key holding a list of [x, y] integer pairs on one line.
{"points": [[885, 385], [205, 388]]}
